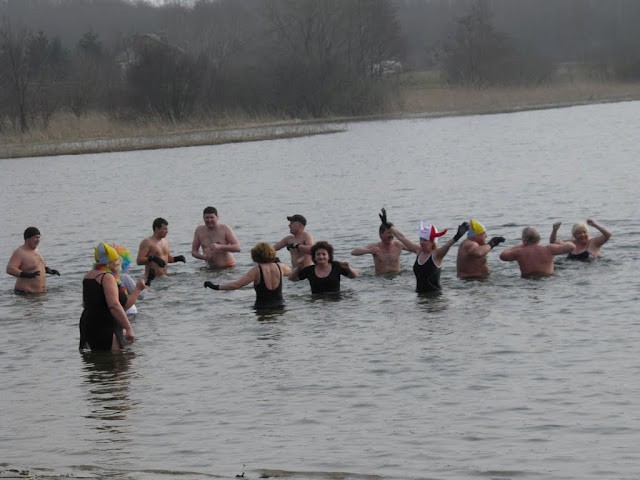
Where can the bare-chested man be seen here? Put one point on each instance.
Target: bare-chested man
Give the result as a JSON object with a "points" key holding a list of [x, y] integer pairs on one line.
{"points": [[154, 252], [535, 260], [218, 242], [27, 265], [386, 253], [298, 242], [472, 253]]}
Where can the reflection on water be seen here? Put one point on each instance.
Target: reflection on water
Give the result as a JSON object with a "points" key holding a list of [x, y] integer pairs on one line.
{"points": [[107, 381], [503, 377]]}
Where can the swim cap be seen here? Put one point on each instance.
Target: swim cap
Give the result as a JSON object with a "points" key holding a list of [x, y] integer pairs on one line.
{"points": [[104, 254], [475, 228], [430, 232], [124, 254], [31, 232]]}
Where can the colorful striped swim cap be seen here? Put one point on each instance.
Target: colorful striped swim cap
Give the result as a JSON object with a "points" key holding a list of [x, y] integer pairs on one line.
{"points": [[104, 254]]}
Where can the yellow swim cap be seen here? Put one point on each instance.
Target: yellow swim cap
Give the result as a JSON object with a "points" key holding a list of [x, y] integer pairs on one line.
{"points": [[104, 254], [476, 228]]}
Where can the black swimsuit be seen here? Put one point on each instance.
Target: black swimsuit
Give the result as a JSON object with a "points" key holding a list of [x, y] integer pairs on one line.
{"points": [[266, 298], [427, 275], [582, 256], [328, 284], [97, 325]]}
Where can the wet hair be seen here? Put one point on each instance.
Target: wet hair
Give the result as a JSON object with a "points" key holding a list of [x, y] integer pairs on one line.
{"points": [[208, 210], [322, 245], [263, 253], [31, 232], [578, 226], [159, 222], [382, 229], [530, 235]]}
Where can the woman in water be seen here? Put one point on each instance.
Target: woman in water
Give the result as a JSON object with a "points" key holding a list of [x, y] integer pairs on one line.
{"points": [[587, 248], [324, 274], [266, 277], [103, 319], [135, 289], [428, 264]]}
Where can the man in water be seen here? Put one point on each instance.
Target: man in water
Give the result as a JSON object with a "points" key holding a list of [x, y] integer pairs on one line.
{"points": [[535, 260], [153, 251], [28, 266], [298, 242], [386, 253], [218, 242], [472, 253]]}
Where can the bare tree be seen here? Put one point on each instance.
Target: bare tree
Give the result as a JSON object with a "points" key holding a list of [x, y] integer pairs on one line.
{"points": [[13, 49]]}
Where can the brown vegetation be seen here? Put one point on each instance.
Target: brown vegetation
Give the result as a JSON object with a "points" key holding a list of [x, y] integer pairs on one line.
{"points": [[68, 134]]}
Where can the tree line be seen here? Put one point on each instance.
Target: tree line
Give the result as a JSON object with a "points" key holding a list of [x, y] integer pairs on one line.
{"points": [[296, 58]]}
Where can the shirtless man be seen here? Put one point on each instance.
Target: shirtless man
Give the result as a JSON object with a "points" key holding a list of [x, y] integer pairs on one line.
{"points": [[27, 265], [472, 253], [218, 242], [153, 251], [386, 253], [535, 260], [299, 242]]}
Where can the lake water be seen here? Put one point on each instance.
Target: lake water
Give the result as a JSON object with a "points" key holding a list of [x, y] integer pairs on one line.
{"points": [[505, 378]]}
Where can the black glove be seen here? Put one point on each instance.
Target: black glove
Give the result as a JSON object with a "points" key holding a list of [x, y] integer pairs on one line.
{"points": [[150, 277], [51, 271], [29, 274], [292, 246], [462, 229], [212, 286], [158, 261], [495, 241], [383, 219], [180, 258]]}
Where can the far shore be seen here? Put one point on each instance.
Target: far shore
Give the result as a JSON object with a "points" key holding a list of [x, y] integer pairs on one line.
{"points": [[96, 134]]}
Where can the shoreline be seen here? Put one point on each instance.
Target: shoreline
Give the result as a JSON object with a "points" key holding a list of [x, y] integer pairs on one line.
{"points": [[415, 103]]}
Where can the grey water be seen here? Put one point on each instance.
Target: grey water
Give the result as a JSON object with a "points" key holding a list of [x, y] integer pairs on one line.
{"points": [[503, 378]]}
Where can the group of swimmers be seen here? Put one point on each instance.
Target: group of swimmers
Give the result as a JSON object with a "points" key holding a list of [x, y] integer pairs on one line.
{"points": [[108, 292]]}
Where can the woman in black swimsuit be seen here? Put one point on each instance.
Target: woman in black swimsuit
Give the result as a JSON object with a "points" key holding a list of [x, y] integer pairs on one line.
{"points": [[324, 274], [103, 318], [266, 277], [587, 248], [428, 264]]}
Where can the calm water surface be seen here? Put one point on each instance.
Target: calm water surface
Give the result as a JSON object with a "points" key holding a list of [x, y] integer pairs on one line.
{"points": [[505, 378]]}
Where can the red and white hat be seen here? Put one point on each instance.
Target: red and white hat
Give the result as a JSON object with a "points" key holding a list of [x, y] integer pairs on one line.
{"points": [[430, 232]]}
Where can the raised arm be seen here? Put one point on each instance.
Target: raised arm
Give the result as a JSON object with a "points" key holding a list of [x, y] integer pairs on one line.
{"points": [[605, 233], [554, 232], [408, 244], [443, 250]]}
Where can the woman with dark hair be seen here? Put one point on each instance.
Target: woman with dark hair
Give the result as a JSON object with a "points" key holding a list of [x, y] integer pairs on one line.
{"points": [[266, 277], [324, 274]]}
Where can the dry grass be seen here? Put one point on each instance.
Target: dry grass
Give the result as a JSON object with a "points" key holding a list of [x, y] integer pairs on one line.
{"points": [[420, 96], [464, 100]]}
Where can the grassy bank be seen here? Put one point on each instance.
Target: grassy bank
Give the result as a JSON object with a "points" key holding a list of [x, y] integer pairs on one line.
{"points": [[420, 96]]}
